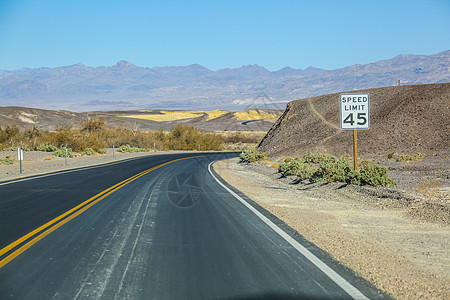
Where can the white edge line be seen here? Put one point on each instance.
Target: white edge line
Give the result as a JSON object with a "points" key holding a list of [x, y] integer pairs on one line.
{"points": [[338, 279]]}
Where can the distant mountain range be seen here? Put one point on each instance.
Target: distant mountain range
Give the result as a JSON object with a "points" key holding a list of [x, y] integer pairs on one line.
{"points": [[125, 86]]}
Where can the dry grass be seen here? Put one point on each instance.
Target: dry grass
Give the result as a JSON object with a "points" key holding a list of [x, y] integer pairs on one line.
{"points": [[408, 157], [167, 116], [95, 135], [215, 114], [429, 188], [251, 114]]}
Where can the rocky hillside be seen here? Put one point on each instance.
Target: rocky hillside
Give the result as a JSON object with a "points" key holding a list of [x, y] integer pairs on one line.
{"points": [[404, 119]]}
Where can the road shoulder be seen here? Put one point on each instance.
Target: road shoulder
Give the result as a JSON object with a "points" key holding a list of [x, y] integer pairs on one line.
{"points": [[400, 255]]}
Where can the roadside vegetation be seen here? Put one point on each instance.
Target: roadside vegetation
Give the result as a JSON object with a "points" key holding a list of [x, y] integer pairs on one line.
{"points": [[94, 136], [8, 160], [323, 167]]}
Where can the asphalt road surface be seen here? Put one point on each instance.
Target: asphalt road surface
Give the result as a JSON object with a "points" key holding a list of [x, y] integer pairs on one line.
{"points": [[158, 227]]}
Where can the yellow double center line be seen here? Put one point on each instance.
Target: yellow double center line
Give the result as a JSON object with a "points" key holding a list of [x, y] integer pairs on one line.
{"points": [[57, 222]]}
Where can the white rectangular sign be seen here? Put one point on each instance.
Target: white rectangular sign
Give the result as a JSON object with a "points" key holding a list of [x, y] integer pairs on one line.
{"points": [[19, 154], [354, 111]]}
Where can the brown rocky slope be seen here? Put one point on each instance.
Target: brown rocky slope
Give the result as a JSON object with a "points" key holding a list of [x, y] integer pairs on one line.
{"points": [[403, 119]]}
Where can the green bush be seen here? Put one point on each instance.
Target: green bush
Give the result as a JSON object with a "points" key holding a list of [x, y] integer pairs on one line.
{"points": [[88, 151], [332, 169], [353, 177], [46, 148], [306, 171], [128, 149], [290, 166], [318, 158], [11, 149], [250, 156], [288, 159], [62, 152], [375, 175], [8, 160], [101, 151]]}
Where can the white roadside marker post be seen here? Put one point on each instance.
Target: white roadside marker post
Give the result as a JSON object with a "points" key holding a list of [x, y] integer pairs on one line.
{"points": [[20, 158]]}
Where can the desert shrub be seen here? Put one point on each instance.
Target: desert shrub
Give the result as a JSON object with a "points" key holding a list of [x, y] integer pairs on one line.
{"points": [[96, 135], [11, 149], [129, 149], [9, 135], [408, 157], [239, 137], [250, 156], [292, 167], [88, 151], [62, 152], [183, 137], [101, 151], [93, 125], [375, 175], [318, 158], [8, 160], [46, 148], [306, 172], [353, 177], [124, 148], [332, 170]]}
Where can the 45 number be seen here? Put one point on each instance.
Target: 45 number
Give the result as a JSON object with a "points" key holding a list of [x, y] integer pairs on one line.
{"points": [[360, 118]]}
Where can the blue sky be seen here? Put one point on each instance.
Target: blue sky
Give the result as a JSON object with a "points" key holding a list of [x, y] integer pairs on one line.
{"points": [[219, 34]]}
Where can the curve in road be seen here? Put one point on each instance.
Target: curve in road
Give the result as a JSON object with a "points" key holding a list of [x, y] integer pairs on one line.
{"points": [[170, 233]]}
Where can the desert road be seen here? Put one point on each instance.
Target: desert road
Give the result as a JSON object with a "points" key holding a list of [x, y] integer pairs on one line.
{"points": [[156, 227]]}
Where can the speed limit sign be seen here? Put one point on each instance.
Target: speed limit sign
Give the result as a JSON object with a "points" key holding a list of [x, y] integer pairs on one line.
{"points": [[354, 111]]}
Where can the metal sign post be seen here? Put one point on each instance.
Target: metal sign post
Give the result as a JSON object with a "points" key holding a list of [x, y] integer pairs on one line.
{"points": [[355, 150], [354, 115]]}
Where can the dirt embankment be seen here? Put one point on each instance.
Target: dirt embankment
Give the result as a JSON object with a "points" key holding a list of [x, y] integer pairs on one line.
{"points": [[404, 119], [397, 241]]}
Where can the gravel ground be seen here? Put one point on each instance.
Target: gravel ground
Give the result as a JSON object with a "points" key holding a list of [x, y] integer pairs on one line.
{"points": [[397, 238]]}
